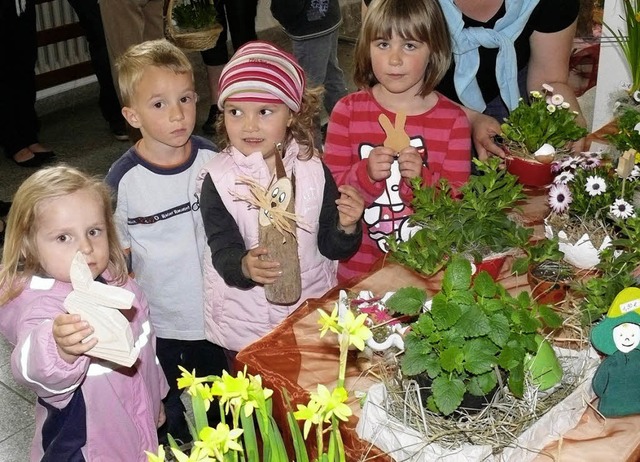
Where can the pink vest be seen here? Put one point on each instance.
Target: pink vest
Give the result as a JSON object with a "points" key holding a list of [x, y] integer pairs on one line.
{"points": [[236, 317]]}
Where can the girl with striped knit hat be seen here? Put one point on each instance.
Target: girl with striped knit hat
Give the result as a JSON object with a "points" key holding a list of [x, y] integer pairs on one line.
{"points": [[268, 123]]}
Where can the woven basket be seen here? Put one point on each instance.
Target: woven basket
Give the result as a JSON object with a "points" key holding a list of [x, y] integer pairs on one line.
{"points": [[192, 40]]}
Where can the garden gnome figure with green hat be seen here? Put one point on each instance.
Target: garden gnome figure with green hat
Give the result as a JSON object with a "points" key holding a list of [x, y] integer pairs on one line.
{"points": [[617, 379]]}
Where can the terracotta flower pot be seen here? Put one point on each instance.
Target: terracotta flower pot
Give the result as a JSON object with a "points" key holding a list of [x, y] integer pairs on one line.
{"points": [[547, 291], [529, 172]]}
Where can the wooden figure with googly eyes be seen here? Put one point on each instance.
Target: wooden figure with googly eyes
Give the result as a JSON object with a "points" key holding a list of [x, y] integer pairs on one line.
{"points": [[277, 232]]}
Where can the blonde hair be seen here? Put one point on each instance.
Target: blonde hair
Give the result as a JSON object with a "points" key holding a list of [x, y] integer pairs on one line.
{"points": [[159, 53], [20, 259], [420, 20], [302, 123]]}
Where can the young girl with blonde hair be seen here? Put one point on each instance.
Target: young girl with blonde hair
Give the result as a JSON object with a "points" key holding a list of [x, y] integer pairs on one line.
{"points": [[401, 54], [86, 409]]}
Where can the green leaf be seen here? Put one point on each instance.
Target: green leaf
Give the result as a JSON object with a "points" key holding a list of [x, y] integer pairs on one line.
{"points": [[484, 285], [447, 393], [415, 355], [424, 325], [249, 437], [457, 276], [499, 329], [511, 355], [451, 359], [549, 317], [479, 356], [482, 384], [473, 322], [516, 380], [299, 446], [408, 300], [444, 314]]}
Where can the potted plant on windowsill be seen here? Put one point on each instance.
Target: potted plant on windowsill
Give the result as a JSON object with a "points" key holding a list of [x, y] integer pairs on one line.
{"points": [[474, 334], [478, 224], [536, 132]]}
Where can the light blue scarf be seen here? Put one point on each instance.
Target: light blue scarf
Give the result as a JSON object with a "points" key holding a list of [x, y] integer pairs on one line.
{"points": [[465, 51]]}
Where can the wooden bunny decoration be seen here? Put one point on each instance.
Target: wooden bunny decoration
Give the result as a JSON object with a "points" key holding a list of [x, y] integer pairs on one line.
{"points": [[277, 217], [397, 138]]}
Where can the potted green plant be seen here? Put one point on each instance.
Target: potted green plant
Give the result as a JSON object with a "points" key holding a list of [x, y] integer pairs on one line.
{"points": [[588, 200], [477, 224], [191, 24], [536, 132], [629, 42], [474, 334]]}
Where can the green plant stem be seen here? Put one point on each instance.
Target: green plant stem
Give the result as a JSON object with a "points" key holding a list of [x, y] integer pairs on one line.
{"points": [[320, 438], [344, 352]]}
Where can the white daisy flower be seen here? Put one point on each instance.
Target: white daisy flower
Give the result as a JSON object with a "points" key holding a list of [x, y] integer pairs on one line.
{"points": [[590, 163], [536, 94], [559, 198], [635, 173], [557, 100], [551, 108], [595, 185], [570, 163], [565, 105], [637, 127], [564, 178], [636, 95], [547, 87], [622, 209]]}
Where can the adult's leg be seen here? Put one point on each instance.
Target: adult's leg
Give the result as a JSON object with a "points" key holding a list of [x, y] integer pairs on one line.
{"points": [[241, 16], [18, 51], [88, 12], [334, 83]]}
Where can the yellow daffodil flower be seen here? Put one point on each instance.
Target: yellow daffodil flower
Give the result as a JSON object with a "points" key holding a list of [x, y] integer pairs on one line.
{"points": [[354, 326], [217, 442], [310, 415], [332, 403], [151, 457], [328, 322], [190, 381]]}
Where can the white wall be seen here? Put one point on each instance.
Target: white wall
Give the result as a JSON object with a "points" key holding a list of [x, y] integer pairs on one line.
{"points": [[613, 71]]}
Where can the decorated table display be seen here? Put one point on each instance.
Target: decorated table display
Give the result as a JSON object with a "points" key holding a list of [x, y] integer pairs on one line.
{"points": [[293, 357]]}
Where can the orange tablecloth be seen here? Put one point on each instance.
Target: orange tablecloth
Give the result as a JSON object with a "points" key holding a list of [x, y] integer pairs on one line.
{"points": [[294, 358]]}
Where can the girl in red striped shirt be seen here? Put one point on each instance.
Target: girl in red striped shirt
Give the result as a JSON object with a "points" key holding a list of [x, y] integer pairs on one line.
{"points": [[402, 53]]}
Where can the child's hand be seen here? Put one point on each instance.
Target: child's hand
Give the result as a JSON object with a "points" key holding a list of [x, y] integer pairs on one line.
{"points": [[350, 208], [69, 330], [259, 269], [410, 163], [379, 163]]}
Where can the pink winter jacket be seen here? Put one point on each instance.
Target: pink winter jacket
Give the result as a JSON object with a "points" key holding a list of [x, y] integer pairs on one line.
{"points": [[122, 404], [237, 317]]}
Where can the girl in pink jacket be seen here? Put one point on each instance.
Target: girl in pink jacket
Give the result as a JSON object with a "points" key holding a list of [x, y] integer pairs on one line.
{"points": [[87, 409]]}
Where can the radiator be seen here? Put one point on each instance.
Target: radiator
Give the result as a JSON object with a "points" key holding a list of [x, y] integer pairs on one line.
{"points": [[61, 43]]}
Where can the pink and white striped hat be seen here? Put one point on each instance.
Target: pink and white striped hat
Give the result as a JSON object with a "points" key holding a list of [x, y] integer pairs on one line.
{"points": [[259, 71]]}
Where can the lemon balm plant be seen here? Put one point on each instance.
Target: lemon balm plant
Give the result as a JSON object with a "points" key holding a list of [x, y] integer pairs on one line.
{"points": [[243, 401]]}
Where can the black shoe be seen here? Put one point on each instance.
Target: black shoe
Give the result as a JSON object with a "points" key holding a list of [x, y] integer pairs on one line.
{"points": [[38, 159], [209, 127], [119, 130]]}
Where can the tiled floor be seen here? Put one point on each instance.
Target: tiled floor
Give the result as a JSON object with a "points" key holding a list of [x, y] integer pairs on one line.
{"points": [[73, 127]]}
